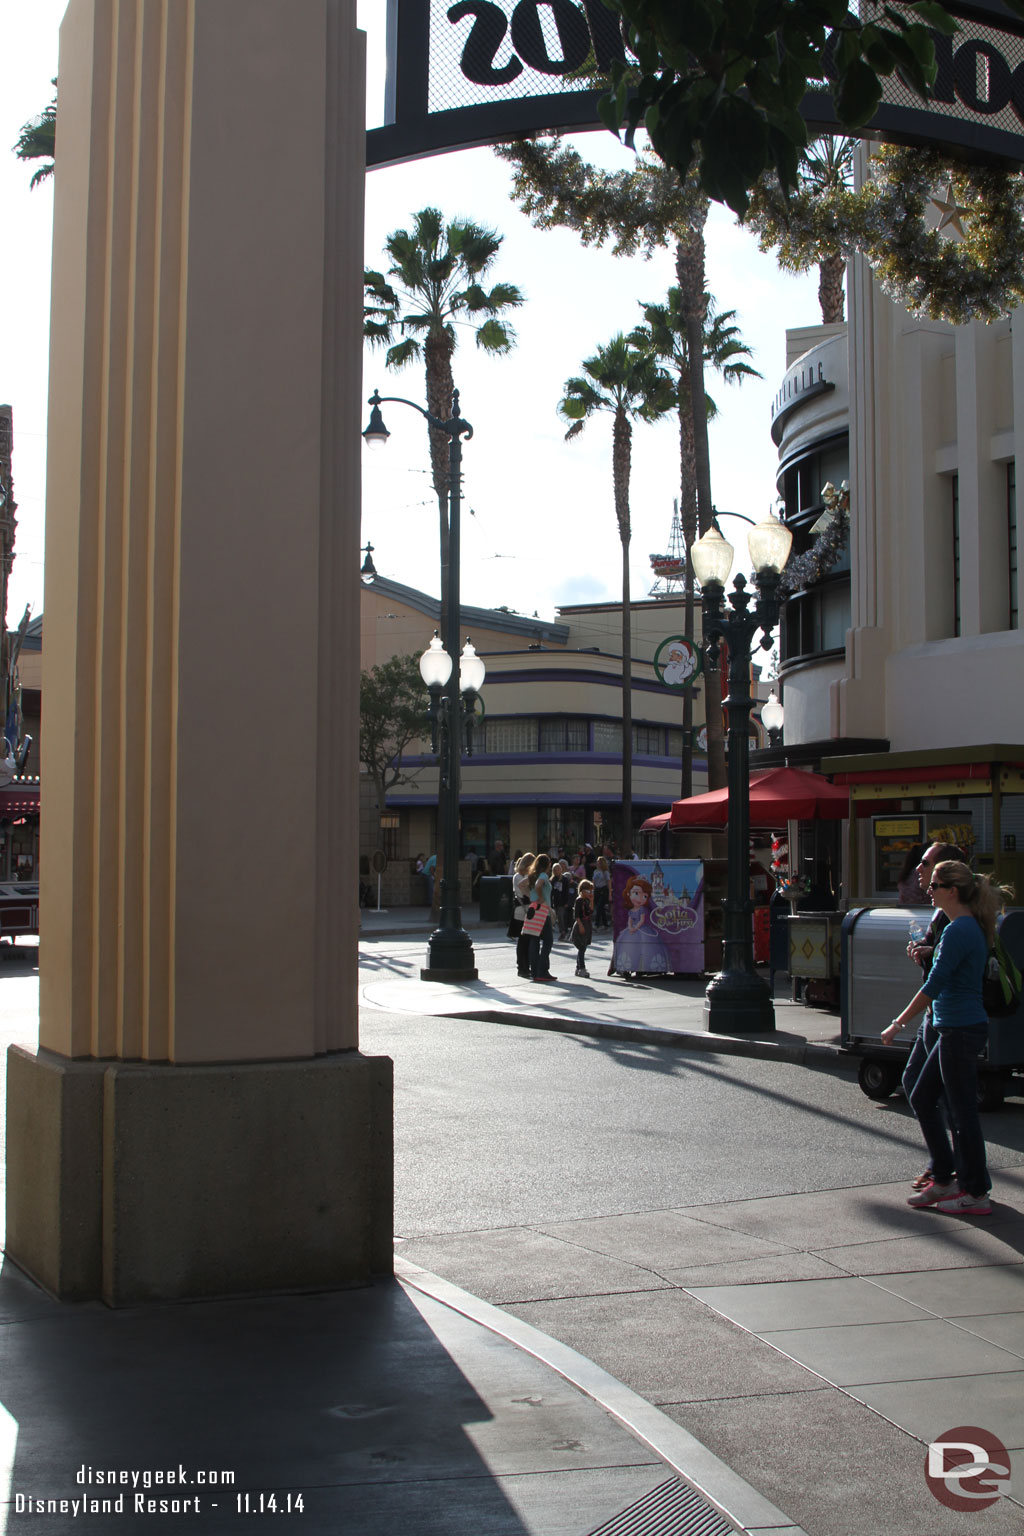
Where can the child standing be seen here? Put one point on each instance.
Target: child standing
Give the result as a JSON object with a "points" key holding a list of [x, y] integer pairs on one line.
{"points": [[602, 880], [583, 926]]}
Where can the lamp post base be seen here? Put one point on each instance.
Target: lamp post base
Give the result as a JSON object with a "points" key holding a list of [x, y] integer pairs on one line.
{"points": [[738, 1002], [450, 956]]}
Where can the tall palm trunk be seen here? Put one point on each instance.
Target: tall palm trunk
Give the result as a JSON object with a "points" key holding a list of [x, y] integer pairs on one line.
{"points": [[831, 291], [688, 521], [440, 385], [690, 275], [622, 435]]}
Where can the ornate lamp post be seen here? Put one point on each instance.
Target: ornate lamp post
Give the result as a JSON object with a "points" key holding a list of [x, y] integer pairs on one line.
{"points": [[450, 950], [738, 999]]}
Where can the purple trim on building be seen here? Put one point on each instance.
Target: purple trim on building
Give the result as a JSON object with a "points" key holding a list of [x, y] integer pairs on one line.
{"points": [[572, 675]]}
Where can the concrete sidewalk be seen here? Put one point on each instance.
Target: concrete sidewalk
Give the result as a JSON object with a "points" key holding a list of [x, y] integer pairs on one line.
{"points": [[772, 1365], [655, 1010]]}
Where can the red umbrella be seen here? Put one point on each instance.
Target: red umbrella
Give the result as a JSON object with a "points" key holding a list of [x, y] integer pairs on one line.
{"points": [[776, 796]]}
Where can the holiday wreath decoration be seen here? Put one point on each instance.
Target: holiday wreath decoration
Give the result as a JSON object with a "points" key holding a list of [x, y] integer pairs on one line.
{"points": [[970, 266], [832, 528]]}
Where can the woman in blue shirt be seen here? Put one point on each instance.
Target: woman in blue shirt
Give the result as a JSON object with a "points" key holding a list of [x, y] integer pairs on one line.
{"points": [[953, 989]]}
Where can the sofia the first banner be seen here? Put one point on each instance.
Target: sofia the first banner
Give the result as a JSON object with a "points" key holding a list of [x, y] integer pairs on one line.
{"points": [[657, 916]]}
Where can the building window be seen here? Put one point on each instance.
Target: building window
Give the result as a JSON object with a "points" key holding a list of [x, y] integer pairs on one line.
{"points": [[1011, 532], [560, 827], [511, 733], [649, 739], [564, 736], [608, 736], [956, 554]]}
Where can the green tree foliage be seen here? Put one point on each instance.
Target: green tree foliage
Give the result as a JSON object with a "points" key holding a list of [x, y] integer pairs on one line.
{"points": [[720, 82], [629, 385], [392, 715], [36, 141]]}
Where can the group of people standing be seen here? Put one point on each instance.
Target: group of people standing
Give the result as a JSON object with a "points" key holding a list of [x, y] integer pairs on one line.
{"points": [[545, 893], [941, 1075]]}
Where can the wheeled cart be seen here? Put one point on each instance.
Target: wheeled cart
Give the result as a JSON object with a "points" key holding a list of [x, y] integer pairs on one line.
{"points": [[877, 982]]}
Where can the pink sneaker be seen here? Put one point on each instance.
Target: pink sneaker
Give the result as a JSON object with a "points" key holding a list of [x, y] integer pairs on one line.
{"points": [[965, 1205], [932, 1194]]}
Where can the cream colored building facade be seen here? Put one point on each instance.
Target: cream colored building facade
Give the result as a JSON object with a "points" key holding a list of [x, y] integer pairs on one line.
{"points": [[546, 766], [927, 665]]}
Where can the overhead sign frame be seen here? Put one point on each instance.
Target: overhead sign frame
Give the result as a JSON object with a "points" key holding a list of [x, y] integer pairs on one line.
{"points": [[462, 73]]}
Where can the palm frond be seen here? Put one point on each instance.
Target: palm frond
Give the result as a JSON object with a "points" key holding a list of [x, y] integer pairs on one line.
{"points": [[495, 336], [404, 353]]}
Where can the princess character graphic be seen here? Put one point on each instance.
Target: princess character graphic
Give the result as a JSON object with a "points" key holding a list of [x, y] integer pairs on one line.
{"points": [[638, 948]]}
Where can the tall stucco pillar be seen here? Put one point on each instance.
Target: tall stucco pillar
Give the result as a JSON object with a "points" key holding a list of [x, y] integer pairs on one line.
{"points": [[198, 1119]]}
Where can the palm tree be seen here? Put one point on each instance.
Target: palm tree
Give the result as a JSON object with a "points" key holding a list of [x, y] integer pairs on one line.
{"points": [[667, 334], [434, 281], [36, 142], [631, 386], [805, 227]]}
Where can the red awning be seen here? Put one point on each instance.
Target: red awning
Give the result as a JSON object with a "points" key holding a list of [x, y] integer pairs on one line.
{"points": [[17, 801], [776, 796], [656, 823]]}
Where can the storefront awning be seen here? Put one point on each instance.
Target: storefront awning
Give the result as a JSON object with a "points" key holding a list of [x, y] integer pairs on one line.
{"points": [[776, 796]]}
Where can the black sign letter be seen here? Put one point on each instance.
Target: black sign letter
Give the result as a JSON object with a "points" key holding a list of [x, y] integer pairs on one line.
{"points": [[486, 37], [528, 38]]}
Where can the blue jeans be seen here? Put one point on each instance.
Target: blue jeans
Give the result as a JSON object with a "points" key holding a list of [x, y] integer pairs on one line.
{"points": [[951, 1068], [540, 950], [927, 1036]]}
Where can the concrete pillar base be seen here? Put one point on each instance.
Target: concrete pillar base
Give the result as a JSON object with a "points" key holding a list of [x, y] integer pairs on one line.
{"points": [[134, 1182]]}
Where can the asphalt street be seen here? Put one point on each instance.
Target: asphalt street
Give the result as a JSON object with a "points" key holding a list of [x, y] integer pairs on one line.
{"points": [[500, 1126]]}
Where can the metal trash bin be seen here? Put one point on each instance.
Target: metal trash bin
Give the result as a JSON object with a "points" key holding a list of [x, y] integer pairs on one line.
{"points": [[495, 893], [877, 981]]}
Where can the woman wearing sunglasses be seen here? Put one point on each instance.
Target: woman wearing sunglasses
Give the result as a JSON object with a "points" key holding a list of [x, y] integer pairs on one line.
{"points": [[953, 989]]}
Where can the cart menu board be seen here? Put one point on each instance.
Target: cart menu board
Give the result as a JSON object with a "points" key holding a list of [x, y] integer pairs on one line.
{"points": [[895, 836], [657, 916]]}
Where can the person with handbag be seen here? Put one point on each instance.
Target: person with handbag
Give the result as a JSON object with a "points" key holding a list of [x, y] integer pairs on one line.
{"points": [[583, 926], [538, 919], [953, 988], [520, 905]]}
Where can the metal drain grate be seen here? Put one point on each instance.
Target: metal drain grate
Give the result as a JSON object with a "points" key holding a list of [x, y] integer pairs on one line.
{"points": [[671, 1509]]}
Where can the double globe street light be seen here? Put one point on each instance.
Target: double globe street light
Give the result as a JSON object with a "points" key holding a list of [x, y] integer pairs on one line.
{"points": [[738, 1000], [453, 695]]}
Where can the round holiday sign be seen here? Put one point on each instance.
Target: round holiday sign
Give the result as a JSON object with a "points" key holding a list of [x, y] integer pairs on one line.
{"points": [[677, 662]]}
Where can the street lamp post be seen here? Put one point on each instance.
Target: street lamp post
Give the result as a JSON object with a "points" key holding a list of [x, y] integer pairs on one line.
{"points": [[738, 1000], [450, 954]]}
